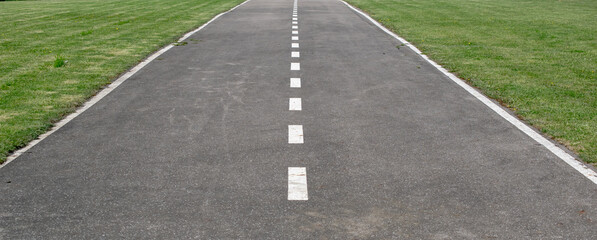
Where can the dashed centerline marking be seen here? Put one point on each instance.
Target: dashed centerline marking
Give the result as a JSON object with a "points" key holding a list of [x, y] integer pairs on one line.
{"points": [[295, 134], [295, 104], [295, 82], [297, 184], [297, 176]]}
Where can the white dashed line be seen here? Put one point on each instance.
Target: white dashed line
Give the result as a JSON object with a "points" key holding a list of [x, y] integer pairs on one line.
{"points": [[295, 83], [297, 184], [295, 66], [295, 134], [295, 104], [297, 176]]}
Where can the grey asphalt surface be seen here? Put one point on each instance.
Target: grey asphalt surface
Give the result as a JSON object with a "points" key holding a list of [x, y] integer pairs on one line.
{"points": [[195, 146]]}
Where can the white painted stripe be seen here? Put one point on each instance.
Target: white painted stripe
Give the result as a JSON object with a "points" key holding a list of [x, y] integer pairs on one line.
{"points": [[295, 134], [579, 166], [294, 45], [295, 54], [106, 90], [294, 19], [297, 184], [295, 66], [295, 104], [213, 19], [295, 38], [294, 22], [295, 83], [294, 27], [295, 32]]}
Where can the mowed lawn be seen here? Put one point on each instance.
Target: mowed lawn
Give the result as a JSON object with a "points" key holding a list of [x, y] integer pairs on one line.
{"points": [[537, 57], [96, 40]]}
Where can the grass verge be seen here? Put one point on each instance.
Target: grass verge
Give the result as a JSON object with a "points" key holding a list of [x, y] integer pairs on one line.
{"points": [[56, 54], [537, 57]]}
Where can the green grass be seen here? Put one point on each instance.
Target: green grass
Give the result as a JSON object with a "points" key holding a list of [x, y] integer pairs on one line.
{"points": [[537, 57], [56, 54]]}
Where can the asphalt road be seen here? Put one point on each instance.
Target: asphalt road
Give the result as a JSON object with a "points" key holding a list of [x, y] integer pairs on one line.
{"points": [[196, 145]]}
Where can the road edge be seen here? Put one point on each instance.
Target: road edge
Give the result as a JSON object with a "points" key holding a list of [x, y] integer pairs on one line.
{"points": [[107, 89], [528, 130]]}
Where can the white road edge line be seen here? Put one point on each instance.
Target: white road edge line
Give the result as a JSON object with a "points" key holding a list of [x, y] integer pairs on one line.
{"points": [[295, 104], [295, 82], [295, 134], [93, 100], [295, 66], [579, 166], [297, 184]]}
